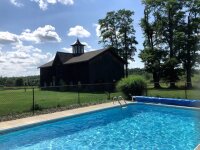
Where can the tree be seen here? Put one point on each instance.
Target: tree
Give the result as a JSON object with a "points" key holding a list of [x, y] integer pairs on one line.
{"points": [[176, 25], [152, 55], [109, 30], [189, 46], [116, 30], [9, 82], [2, 81], [169, 15], [171, 18]]}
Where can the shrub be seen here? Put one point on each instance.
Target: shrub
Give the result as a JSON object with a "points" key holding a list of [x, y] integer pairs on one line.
{"points": [[132, 85]]}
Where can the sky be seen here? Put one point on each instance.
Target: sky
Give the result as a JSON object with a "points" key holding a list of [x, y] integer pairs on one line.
{"points": [[32, 31]]}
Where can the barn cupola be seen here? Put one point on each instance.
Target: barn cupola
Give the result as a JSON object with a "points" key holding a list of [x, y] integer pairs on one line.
{"points": [[78, 48]]}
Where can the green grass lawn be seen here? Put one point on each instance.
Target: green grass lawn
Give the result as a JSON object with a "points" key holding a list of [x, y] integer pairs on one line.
{"points": [[176, 93], [171, 93], [18, 101]]}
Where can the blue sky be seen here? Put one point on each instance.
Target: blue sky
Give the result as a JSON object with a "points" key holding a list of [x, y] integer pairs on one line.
{"points": [[31, 31]]}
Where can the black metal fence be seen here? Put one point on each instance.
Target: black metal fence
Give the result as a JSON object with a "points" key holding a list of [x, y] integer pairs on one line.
{"points": [[22, 101], [17, 101], [180, 90]]}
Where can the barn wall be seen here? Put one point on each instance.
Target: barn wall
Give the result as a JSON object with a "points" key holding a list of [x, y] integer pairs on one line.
{"points": [[64, 74], [75, 73], [46, 75], [106, 68]]}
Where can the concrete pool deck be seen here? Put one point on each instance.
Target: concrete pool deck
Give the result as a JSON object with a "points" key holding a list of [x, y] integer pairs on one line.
{"points": [[198, 147], [14, 124]]}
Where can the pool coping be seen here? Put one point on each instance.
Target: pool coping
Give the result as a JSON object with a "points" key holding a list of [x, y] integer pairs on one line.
{"points": [[168, 105], [18, 124], [28, 122], [198, 147]]}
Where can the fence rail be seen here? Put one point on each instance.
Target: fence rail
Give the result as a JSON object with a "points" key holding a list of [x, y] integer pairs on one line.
{"points": [[16, 101], [33, 100]]}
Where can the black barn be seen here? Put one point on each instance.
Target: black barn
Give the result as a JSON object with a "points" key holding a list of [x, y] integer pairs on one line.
{"points": [[100, 66]]}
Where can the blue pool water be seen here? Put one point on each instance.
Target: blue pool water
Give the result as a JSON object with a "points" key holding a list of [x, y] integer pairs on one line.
{"points": [[139, 126]]}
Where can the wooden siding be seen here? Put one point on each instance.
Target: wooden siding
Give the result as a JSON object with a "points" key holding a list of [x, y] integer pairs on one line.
{"points": [[106, 69]]}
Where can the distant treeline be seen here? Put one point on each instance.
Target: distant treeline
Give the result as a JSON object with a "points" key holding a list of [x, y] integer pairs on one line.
{"points": [[35, 80], [20, 81]]}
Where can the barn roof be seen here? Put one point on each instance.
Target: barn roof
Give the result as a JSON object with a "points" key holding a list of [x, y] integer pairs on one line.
{"points": [[85, 57], [69, 58], [49, 64], [64, 56]]}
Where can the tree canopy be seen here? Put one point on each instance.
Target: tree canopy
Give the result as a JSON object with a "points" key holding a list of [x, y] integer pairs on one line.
{"points": [[171, 31], [116, 30]]}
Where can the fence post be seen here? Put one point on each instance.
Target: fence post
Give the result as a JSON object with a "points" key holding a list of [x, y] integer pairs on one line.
{"points": [[186, 90], [78, 94], [33, 101], [146, 91]]}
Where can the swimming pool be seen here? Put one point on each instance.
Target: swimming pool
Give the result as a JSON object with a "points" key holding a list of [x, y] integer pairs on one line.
{"points": [[138, 126]]}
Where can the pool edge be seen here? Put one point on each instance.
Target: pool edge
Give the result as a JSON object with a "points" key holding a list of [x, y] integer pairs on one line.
{"points": [[69, 114], [95, 108]]}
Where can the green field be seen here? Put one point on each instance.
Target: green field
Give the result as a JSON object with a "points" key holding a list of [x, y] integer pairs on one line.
{"points": [[19, 101], [177, 93]]}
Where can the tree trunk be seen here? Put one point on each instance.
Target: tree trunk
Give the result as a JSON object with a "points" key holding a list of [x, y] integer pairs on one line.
{"points": [[172, 78], [188, 76], [126, 71], [188, 61], [126, 52], [171, 49], [156, 80]]}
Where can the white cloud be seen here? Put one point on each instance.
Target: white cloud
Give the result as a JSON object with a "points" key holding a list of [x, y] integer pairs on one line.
{"points": [[43, 4], [67, 49], [66, 2], [78, 31], [1, 57], [17, 55], [41, 34], [37, 50], [22, 60], [98, 33], [8, 38], [17, 59], [16, 3], [20, 47]]}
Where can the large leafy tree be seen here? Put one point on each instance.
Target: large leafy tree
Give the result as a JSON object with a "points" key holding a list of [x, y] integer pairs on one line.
{"points": [[176, 26], [189, 42], [152, 55], [170, 16], [117, 30]]}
